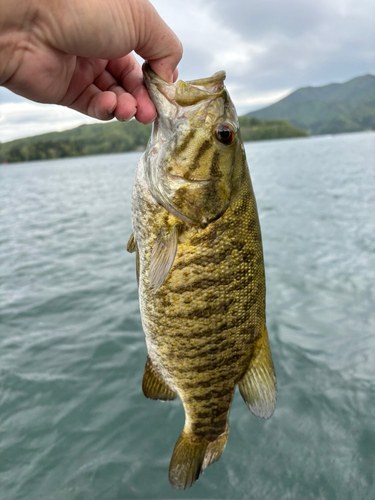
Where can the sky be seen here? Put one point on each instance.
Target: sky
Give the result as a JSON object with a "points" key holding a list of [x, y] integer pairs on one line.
{"points": [[268, 48]]}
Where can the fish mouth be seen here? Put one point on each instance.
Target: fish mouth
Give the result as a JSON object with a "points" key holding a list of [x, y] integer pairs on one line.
{"points": [[185, 181], [149, 74], [155, 84], [183, 93]]}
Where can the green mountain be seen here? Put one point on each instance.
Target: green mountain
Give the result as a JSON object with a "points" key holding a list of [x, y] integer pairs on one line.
{"points": [[113, 137], [116, 137], [331, 109], [254, 129]]}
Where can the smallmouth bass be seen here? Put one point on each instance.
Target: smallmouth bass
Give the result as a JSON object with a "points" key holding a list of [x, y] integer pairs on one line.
{"points": [[200, 269]]}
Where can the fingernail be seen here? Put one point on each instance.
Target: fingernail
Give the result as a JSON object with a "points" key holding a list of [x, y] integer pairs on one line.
{"points": [[112, 108], [127, 119]]}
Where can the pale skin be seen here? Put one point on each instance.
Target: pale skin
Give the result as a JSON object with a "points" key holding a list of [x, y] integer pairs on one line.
{"points": [[78, 53]]}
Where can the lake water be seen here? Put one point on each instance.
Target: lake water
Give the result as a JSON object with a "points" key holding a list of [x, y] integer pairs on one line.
{"points": [[74, 424]]}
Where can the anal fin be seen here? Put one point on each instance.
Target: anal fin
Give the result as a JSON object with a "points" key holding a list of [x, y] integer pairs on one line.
{"points": [[258, 386], [153, 385]]}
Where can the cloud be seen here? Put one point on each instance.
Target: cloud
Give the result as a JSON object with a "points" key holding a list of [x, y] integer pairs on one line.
{"points": [[267, 47], [257, 20], [26, 118], [8, 96], [271, 46]]}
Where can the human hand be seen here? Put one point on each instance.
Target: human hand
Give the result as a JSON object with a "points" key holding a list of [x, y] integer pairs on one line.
{"points": [[78, 53]]}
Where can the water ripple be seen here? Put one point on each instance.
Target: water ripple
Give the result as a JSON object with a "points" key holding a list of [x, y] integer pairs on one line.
{"points": [[74, 423]]}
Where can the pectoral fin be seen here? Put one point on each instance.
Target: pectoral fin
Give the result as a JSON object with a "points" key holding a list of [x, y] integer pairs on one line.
{"points": [[153, 386], [258, 386], [162, 257], [137, 263], [131, 246]]}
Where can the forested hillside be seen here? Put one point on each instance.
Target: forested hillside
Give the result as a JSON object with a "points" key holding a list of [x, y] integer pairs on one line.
{"points": [[116, 137], [331, 109]]}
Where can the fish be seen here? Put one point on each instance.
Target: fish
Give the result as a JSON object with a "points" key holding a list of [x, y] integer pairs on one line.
{"points": [[200, 269]]}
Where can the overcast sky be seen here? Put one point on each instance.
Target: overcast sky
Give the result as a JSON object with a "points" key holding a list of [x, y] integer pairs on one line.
{"points": [[267, 47]]}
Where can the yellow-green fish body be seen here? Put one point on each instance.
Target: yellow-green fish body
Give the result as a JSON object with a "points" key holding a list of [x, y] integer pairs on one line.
{"points": [[200, 269]]}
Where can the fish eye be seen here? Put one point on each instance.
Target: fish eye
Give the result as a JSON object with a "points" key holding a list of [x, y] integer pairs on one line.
{"points": [[224, 133]]}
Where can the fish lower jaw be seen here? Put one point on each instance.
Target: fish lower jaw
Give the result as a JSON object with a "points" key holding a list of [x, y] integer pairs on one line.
{"points": [[184, 181]]}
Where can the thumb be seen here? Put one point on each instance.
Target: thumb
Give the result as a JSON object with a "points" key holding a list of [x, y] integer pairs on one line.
{"points": [[156, 42]]}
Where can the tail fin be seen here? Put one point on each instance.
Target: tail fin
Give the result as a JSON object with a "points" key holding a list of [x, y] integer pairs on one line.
{"points": [[215, 449], [191, 455]]}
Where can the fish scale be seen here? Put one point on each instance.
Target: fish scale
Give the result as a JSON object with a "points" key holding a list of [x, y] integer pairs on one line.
{"points": [[200, 270]]}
